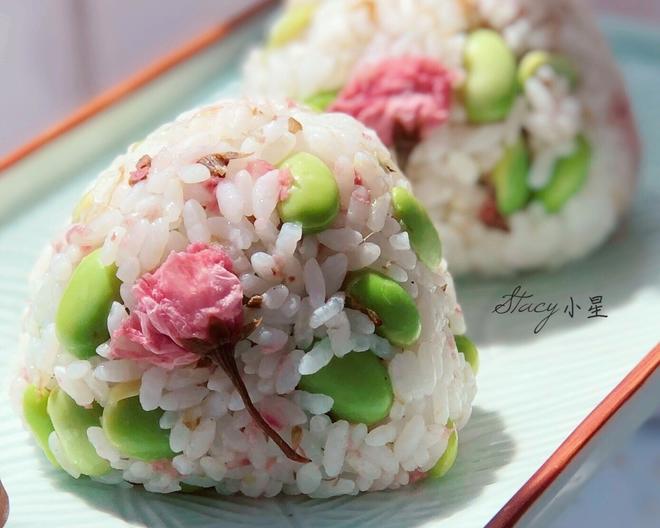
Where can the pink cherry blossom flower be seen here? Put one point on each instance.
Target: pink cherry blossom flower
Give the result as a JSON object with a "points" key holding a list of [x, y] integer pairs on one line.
{"points": [[191, 292], [408, 96], [191, 308]]}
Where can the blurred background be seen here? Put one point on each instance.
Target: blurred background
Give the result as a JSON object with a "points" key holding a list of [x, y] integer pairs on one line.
{"points": [[57, 54]]}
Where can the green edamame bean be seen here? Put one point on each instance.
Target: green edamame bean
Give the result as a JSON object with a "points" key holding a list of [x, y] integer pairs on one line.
{"points": [[322, 100], [469, 350], [313, 199], [447, 459], [359, 385], [509, 178], [71, 423], [423, 236], [82, 315], [292, 23], [490, 87], [533, 60], [136, 432], [568, 177], [35, 402], [400, 321]]}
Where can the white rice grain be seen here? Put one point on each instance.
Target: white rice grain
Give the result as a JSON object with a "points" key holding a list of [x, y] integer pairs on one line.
{"points": [[230, 201], [400, 241], [314, 403], [314, 283], [179, 437], [183, 464], [182, 398], [194, 219], [102, 445], [379, 209], [201, 439], [363, 256], [381, 435], [360, 323], [274, 297], [290, 306], [308, 478], [288, 374], [116, 316], [118, 370], [151, 388], [264, 266], [339, 333], [186, 377], [287, 240], [78, 369], [334, 270], [265, 194], [194, 173], [213, 467], [327, 311], [343, 239], [317, 358], [409, 438], [335, 448]]}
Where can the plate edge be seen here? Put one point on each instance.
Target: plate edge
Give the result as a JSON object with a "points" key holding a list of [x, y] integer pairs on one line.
{"points": [[541, 480], [132, 84]]}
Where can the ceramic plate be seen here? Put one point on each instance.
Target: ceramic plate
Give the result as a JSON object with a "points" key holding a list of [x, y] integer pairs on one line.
{"points": [[550, 405]]}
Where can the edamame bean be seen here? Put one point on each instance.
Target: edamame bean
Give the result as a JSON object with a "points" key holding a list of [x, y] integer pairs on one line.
{"points": [[400, 321], [423, 236], [568, 177], [359, 385], [490, 87], [35, 402], [533, 60], [469, 350], [82, 315], [71, 423], [509, 178], [322, 100], [313, 199], [134, 431], [447, 459], [292, 23]]}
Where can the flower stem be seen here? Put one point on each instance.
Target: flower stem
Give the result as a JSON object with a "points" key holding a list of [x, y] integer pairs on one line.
{"points": [[224, 358]]}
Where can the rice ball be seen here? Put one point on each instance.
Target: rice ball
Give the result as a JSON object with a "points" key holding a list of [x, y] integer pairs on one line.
{"points": [[509, 116], [249, 300]]}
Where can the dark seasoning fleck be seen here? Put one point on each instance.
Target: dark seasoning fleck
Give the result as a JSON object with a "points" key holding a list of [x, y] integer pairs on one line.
{"points": [[295, 126], [255, 301], [217, 163], [355, 305]]}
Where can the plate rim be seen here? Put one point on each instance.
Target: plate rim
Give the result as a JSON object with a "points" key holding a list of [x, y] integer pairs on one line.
{"points": [[116, 93], [523, 499], [576, 441]]}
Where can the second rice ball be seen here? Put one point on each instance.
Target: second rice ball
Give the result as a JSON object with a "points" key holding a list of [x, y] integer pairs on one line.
{"points": [[509, 116]]}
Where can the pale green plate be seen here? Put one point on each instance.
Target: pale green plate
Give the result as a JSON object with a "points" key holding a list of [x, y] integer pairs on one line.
{"points": [[534, 389]]}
